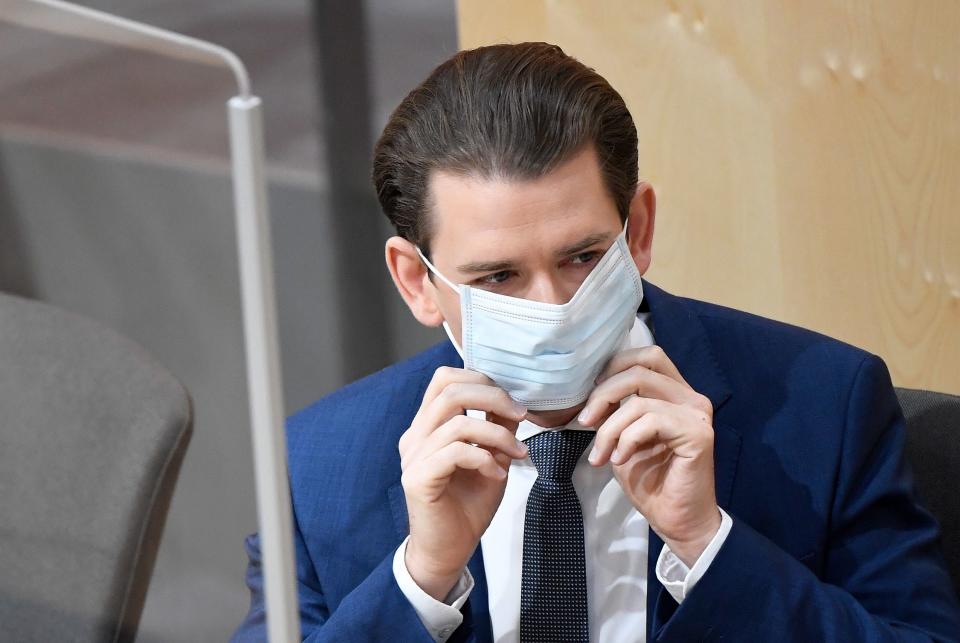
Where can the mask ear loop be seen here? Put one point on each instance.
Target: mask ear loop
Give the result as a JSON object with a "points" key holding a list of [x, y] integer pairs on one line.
{"points": [[446, 326], [434, 270], [453, 340]]}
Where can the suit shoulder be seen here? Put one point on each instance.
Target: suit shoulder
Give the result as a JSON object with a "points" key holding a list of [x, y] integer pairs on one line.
{"points": [[757, 336], [374, 391]]}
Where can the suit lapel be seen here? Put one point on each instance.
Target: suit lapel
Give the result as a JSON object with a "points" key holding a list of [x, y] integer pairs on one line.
{"points": [[479, 601], [680, 333]]}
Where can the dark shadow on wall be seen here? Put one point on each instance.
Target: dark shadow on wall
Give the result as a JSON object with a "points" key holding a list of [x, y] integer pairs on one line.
{"points": [[344, 86], [15, 274]]}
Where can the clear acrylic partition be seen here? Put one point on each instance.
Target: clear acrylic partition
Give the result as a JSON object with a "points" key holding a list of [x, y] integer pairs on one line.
{"points": [[122, 178]]}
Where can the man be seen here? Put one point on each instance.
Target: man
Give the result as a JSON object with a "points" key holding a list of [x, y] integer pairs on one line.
{"points": [[614, 463]]}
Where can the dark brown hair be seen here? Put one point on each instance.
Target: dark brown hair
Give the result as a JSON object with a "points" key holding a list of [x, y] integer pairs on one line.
{"points": [[503, 111]]}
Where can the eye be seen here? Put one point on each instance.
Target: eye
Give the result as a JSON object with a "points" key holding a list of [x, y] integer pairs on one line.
{"points": [[494, 279], [584, 258]]}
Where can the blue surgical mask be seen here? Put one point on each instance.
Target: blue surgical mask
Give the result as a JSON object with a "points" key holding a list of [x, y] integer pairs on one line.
{"points": [[547, 356]]}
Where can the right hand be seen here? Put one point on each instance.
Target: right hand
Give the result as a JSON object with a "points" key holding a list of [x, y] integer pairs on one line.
{"points": [[452, 487]]}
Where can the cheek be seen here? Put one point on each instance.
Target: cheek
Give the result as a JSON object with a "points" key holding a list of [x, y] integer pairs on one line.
{"points": [[449, 304]]}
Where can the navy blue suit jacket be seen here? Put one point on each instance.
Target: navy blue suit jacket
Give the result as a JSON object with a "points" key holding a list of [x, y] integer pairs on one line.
{"points": [[828, 542]]}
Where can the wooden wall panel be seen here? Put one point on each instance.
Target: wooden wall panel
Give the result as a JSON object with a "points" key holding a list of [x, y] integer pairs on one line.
{"points": [[806, 155]]}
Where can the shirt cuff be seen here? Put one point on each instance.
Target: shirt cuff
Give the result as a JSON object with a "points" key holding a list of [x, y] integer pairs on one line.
{"points": [[676, 577], [440, 618]]}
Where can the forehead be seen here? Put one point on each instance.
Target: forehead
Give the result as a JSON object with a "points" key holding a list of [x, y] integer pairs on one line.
{"points": [[477, 218]]}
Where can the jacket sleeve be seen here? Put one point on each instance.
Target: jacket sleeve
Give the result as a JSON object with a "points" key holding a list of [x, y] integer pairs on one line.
{"points": [[376, 609], [883, 577]]}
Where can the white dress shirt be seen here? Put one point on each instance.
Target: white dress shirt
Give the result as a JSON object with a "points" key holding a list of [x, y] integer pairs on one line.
{"points": [[615, 547]]}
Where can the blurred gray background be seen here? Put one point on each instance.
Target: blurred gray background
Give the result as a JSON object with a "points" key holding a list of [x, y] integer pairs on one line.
{"points": [[115, 202]]}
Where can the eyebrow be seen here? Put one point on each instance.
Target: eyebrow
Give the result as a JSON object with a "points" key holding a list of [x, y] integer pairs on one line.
{"points": [[498, 266], [583, 244]]}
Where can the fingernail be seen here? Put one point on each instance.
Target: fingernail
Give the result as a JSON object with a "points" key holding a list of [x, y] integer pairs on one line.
{"points": [[594, 452], [520, 409], [584, 416], [615, 456], [521, 446]]}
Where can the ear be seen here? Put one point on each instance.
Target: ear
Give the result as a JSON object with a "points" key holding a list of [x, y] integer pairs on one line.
{"points": [[640, 223], [412, 280]]}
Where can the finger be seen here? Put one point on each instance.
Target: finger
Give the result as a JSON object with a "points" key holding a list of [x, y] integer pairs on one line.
{"points": [[457, 397], [446, 375], [652, 428], [507, 423], [502, 458], [458, 455], [636, 380], [440, 379], [652, 357], [510, 423], [608, 434], [475, 432]]}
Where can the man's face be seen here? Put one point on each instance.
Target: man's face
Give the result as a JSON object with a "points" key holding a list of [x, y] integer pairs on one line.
{"points": [[535, 239]]}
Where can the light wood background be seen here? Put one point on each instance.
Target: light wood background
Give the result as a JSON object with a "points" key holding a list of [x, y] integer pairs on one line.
{"points": [[806, 155]]}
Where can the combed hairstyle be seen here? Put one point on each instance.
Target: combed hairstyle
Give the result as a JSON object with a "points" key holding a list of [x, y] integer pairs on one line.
{"points": [[511, 112]]}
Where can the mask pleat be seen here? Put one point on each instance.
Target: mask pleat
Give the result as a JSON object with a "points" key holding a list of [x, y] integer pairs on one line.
{"points": [[547, 355]]}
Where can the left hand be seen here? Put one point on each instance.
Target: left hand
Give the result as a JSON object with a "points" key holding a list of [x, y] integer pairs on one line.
{"points": [[660, 444]]}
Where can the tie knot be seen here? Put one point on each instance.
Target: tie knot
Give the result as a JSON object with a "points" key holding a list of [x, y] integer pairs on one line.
{"points": [[555, 453]]}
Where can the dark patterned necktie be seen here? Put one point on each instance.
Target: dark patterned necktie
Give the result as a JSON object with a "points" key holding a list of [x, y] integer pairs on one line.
{"points": [[553, 589]]}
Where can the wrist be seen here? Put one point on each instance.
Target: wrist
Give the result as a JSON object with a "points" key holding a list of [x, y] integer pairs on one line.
{"points": [[432, 579], [689, 548]]}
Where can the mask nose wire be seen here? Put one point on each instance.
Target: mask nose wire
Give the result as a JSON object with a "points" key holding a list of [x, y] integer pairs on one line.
{"points": [[434, 270], [454, 286]]}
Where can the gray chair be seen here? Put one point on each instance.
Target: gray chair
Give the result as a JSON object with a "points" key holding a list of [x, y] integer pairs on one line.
{"points": [[92, 435], [933, 449]]}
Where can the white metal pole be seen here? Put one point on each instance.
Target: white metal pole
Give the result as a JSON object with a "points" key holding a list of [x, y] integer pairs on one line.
{"points": [[263, 367], [264, 386]]}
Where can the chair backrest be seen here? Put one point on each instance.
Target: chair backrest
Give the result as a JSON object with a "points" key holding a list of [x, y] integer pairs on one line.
{"points": [[92, 435], [933, 449]]}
